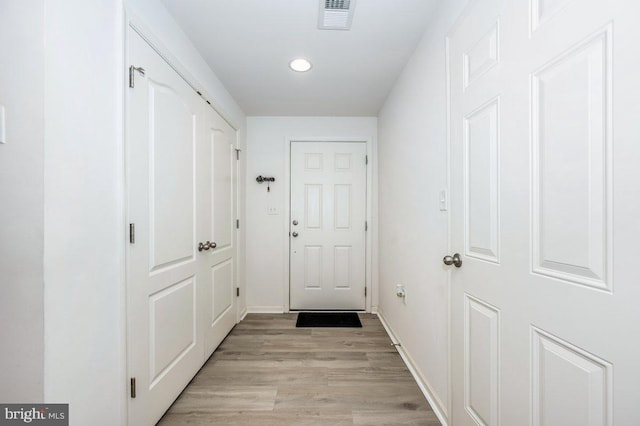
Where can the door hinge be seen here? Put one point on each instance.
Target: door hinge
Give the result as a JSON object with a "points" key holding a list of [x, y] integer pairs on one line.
{"points": [[237, 291], [238, 153], [132, 72], [366, 226], [132, 233], [366, 159], [365, 292], [237, 223], [133, 387]]}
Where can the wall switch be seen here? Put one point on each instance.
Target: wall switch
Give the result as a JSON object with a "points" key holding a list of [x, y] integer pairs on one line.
{"points": [[443, 199], [272, 210], [3, 126]]}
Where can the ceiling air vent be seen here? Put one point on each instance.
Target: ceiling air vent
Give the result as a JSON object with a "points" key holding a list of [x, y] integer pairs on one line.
{"points": [[335, 14]]}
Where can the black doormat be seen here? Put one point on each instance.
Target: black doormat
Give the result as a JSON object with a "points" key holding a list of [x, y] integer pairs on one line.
{"points": [[328, 319]]}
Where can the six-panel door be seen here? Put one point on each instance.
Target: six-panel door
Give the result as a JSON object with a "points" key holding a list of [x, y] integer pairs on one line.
{"points": [[543, 184], [328, 214]]}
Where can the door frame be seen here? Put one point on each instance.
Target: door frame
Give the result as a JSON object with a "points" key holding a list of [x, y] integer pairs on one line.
{"points": [[133, 22], [448, 123], [371, 236]]}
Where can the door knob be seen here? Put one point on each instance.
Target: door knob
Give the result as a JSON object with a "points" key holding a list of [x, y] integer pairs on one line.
{"points": [[454, 260], [295, 222], [294, 234], [206, 246]]}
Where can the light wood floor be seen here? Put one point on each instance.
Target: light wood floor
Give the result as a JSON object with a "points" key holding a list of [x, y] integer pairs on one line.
{"points": [[268, 372]]}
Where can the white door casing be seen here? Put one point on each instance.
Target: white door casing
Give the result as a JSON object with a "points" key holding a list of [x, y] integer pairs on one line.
{"points": [[327, 246], [180, 192], [543, 313]]}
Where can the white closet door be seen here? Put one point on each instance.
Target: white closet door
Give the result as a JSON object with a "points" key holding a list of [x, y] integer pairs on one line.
{"points": [[164, 335], [218, 162]]}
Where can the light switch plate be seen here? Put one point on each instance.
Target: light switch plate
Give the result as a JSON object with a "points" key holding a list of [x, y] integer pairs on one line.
{"points": [[443, 199], [3, 126]]}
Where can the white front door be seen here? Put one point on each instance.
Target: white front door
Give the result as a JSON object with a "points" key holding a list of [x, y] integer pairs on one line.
{"points": [[327, 229], [545, 207], [218, 163]]}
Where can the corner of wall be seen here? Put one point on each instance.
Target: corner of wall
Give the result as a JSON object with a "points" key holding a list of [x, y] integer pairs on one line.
{"points": [[83, 175], [22, 200]]}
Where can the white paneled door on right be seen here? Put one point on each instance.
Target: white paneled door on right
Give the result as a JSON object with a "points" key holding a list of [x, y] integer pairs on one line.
{"points": [[328, 214], [545, 213]]}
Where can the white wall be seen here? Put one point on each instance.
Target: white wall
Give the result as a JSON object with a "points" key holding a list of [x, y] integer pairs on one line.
{"points": [[84, 229], [83, 224], [21, 201], [266, 136], [412, 170]]}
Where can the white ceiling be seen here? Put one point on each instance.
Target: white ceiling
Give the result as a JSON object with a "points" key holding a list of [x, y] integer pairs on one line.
{"points": [[249, 43]]}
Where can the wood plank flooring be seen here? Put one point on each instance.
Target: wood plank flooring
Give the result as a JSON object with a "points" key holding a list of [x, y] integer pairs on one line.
{"points": [[268, 372]]}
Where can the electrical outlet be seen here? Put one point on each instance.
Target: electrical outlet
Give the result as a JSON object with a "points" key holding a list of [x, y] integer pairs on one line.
{"points": [[401, 292], [272, 210]]}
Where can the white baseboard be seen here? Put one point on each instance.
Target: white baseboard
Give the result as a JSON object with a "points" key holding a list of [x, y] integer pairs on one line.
{"points": [[374, 310], [244, 313], [265, 310], [433, 400]]}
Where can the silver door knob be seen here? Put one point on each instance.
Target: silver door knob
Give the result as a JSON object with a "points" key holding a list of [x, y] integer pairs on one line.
{"points": [[295, 222], [294, 234], [454, 260], [206, 246]]}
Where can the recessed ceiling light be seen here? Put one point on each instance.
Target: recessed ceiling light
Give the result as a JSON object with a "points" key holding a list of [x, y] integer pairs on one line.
{"points": [[300, 65]]}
